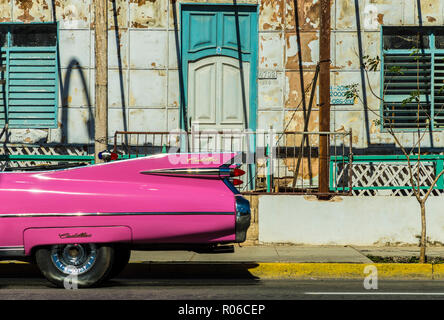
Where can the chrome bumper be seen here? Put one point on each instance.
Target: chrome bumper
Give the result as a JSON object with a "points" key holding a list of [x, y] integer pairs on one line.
{"points": [[243, 218]]}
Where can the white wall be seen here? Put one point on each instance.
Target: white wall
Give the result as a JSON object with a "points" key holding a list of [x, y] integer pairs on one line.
{"points": [[347, 220]]}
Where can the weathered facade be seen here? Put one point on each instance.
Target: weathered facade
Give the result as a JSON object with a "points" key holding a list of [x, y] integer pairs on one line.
{"points": [[148, 81]]}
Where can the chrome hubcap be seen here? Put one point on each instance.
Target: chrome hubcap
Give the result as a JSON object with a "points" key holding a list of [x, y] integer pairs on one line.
{"points": [[74, 258]]}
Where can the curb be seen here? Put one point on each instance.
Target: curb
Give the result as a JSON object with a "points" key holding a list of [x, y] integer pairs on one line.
{"points": [[256, 270], [278, 270]]}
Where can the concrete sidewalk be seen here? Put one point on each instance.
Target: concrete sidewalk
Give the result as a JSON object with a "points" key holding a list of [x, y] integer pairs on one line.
{"points": [[286, 253], [272, 253]]}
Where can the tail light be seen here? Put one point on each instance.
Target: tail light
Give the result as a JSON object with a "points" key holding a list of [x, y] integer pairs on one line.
{"points": [[236, 172], [237, 182], [108, 155]]}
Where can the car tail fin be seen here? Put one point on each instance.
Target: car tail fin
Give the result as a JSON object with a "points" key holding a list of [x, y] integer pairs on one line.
{"points": [[217, 165], [219, 172]]}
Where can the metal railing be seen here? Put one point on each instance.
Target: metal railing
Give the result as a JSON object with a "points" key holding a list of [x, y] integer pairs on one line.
{"points": [[19, 157], [274, 162]]}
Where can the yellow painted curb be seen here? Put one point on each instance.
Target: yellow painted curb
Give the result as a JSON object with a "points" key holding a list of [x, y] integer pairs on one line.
{"points": [[438, 271], [341, 270], [13, 262], [404, 270]]}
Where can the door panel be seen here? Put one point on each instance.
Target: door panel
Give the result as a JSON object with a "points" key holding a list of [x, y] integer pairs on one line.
{"points": [[234, 96], [217, 97], [206, 37], [202, 97], [234, 27]]}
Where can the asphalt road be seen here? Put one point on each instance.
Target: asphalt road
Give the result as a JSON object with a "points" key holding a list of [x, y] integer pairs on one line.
{"points": [[223, 289]]}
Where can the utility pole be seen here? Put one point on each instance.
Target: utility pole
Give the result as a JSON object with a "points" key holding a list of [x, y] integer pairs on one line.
{"points": [[101, 81], [324, 95]]}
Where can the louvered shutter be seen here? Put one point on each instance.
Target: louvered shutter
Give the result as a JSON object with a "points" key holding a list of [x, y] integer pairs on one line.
{"points": [[32, 88], [439, 90], [405, 75], [2, 87], [28, 77]]}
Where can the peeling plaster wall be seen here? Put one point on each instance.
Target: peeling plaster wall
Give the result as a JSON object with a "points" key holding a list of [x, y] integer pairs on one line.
{"points": [[143, 62]]}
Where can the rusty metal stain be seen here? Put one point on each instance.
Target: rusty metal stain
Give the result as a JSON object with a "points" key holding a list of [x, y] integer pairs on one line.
{"points": [[293, 94], [309, 49], [74, 13], [294, 121], [117, 10], [5, 10], [24, 8], [271, 50], [431, 19], [271, 14], [431, 11], [148, 13], [346, 14], [308, 14], [374, 128], [309, 168], [32, 11]]}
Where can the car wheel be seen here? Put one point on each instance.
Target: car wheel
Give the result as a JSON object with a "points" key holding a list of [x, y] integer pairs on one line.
{"points": [[75, 265], [122, 256]]}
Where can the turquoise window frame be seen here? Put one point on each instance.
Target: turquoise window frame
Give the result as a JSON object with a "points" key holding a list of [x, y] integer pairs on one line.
{"points": [[432, 51], [55, 48]]}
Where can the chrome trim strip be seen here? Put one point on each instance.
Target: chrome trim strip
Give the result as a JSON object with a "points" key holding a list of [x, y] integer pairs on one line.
{"points": [[80, 214], [11, 252], [13, 248]]}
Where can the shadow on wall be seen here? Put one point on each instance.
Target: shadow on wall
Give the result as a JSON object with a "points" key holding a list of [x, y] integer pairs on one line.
{"points": [[362, 70], [75, 65], [64, 84], [241, 69], [119, 62]]}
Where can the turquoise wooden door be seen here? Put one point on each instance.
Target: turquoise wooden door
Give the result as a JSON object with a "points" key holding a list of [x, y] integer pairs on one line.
{"points": [[219, 66]]}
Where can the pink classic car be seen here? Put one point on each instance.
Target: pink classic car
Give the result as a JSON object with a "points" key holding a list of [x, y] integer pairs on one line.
{"points": [[85, 220]]}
